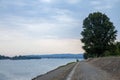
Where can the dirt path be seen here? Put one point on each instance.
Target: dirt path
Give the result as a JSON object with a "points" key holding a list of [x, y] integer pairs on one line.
{"points": [[85, 71], [72, 72]]}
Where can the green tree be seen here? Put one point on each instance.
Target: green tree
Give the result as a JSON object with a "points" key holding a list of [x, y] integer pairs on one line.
{"points": [[98, 34], [117, 49], [114, 50]]}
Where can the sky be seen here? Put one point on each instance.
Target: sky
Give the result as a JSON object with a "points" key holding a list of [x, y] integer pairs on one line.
{"points": [[49, 26]]}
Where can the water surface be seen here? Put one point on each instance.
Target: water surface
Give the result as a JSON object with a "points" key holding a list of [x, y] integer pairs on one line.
{"points": [[28, 69]]}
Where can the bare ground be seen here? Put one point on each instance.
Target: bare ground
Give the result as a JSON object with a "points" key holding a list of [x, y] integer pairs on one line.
{"points": [[86, 71], [109, 64]]}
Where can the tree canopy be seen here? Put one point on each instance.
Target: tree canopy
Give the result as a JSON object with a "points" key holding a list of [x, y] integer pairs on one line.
{"points": [[98, 34]]}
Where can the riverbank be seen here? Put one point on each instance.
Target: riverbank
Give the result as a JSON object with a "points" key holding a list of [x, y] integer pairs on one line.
{"points": [[107, 68], [109, 64], [59, 73]]}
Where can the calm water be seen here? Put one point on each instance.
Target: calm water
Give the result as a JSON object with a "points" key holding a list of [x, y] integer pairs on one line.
{"points": [[27, 69]]}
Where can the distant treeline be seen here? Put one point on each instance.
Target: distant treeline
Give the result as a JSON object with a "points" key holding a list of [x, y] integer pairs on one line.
{"points": [[25, 57], [18, 57], [77, 56], [4, 57]]}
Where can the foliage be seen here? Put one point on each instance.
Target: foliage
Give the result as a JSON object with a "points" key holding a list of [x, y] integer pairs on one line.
{"points": [[98, 34], [19, 57], [117, 48], [25, 57], [4, 57], [114, 50]]}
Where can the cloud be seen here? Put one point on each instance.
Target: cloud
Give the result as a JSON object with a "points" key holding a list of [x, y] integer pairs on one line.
{"points": [[95, 2], [103, 4], [4, 4], [46, 1], [37, 27], [34, 22], [59, 25], [73, 1], [61, 1], [51, 30], [8, 36], [48, 46]]}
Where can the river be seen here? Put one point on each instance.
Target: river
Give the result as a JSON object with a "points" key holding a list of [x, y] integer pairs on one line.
{"points": [[28, 69]]}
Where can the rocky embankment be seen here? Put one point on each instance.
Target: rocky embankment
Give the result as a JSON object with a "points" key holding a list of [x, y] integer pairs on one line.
{"points": [[107, 68]]}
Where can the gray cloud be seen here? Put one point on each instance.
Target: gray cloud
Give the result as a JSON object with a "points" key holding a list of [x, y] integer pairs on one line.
{"points": [[28, 23], [103, 4]]}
